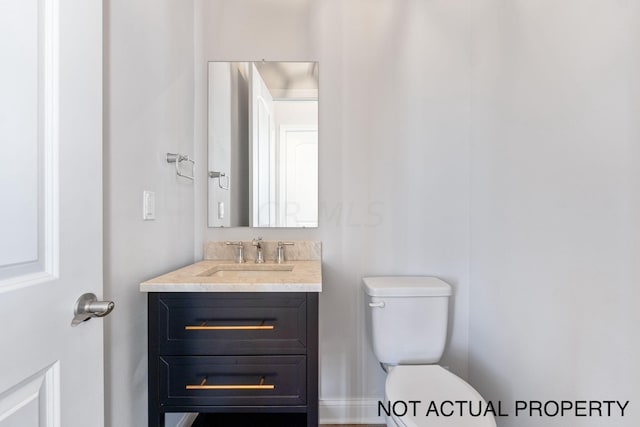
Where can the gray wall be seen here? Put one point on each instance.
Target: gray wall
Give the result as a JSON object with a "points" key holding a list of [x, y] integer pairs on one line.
{"points": [[555, 204], [394, 158], [489, 143], [148, 111]]}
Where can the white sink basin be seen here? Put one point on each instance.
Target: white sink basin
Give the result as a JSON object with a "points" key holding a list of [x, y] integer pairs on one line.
{"points": [[245, 270]]}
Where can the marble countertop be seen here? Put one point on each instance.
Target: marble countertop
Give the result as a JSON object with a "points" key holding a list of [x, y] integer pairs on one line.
{"points": [[227, 276]]}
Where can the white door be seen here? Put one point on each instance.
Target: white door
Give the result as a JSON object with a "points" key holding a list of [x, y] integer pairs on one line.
{"points": [[299, 176], [262, 152], [51, 374]]}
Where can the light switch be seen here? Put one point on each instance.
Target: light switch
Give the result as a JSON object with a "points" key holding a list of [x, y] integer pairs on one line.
{"points": [[148, 205]]}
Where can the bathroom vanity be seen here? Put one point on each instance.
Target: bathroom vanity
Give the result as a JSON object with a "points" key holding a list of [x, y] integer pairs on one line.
{"points": [[236, 343]]}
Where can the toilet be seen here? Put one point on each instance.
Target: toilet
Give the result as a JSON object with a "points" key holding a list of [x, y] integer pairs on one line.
{"points": [[407, 321]]}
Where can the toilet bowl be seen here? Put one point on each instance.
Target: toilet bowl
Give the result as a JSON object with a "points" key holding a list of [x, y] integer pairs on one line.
{"points": [[437, 391], [407, 323]]}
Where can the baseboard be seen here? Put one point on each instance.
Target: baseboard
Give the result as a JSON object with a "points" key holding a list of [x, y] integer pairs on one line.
{"points": [[349, 411]]}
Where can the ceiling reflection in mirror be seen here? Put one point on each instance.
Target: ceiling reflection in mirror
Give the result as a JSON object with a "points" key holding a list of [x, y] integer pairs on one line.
{"points": [[263, 144]]}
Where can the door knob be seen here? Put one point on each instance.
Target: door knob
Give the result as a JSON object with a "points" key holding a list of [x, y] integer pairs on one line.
{"points": [[88, 306]]}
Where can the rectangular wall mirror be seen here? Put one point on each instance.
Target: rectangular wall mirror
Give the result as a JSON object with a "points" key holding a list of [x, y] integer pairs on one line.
{"points": [[263, 144]]}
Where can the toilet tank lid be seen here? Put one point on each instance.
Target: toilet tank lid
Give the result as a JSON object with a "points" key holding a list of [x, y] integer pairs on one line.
{"points": [[406, 286]]}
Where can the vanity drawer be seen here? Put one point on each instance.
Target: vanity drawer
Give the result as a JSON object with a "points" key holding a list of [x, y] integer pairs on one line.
{"points": [[232, 380], [231, 323]]}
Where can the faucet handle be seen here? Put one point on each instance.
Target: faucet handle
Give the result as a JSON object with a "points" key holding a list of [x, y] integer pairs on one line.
{"points": [[280, 251], [257, 241], [239, 252]]}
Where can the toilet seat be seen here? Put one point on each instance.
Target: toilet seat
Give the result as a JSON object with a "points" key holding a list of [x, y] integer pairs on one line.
{"points": [[432, 383]]}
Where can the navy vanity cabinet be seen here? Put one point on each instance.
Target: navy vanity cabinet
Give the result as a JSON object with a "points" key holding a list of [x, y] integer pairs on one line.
{"points": [[234, 354]]}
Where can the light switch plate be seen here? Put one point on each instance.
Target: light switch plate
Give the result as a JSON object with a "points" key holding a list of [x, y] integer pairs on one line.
{"points": [[148, 205]]}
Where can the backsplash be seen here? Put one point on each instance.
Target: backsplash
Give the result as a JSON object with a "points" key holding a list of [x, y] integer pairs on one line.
{"points": [[301, 250]]}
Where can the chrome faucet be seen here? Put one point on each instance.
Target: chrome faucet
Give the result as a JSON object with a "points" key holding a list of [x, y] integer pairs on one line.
{"points": [[239, 251], [280, 252], [258, 244]]}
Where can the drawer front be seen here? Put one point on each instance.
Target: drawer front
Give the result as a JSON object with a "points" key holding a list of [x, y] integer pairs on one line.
{"points": [[231, 323], [232, 380]]}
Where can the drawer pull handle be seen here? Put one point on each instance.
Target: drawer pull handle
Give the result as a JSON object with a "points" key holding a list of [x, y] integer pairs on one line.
{"points": [[204, 386], [230, 328]]}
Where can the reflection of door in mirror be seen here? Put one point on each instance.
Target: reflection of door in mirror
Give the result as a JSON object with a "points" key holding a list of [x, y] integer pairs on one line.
{"points": [[298, 169], [261, 147], [263, 138]]}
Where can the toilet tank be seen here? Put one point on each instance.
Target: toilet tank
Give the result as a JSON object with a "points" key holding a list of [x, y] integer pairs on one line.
{"points": [[407, 318]]}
